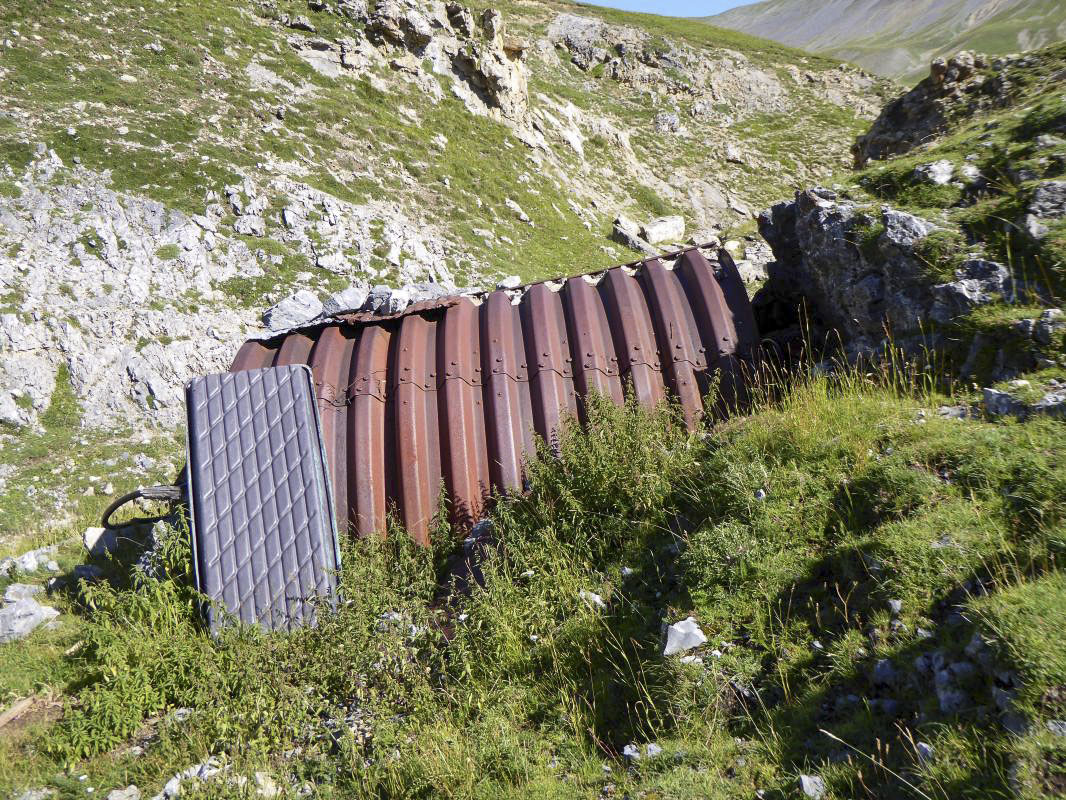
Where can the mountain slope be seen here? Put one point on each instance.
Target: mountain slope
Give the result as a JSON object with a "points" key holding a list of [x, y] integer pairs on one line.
{"points": [[900, 37], [167, 173]]}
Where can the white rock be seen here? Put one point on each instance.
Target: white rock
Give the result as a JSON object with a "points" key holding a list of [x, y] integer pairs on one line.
{"points": [[99, 541], [937, 173], [592, 598], [510, 282], [265, 785], [691, 660], [351, 299], [812, 786], [127, 79], [19, 619], [925, 751], [131, 792], [654, 750], [301, 307], [250, 225], [517, 209], [631, 752], [664, 229], [20, 591], [683, 635]]}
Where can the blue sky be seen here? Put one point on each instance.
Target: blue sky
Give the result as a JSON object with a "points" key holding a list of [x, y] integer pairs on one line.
{"points": [[673, 8]]}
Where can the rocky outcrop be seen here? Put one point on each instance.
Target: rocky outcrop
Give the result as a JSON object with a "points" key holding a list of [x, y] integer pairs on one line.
{"points": [[710, 80], [859, 273], [131, 298], [487, 68], [960, 85]]}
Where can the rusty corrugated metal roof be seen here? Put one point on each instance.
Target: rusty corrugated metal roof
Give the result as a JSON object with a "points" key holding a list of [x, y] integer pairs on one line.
{"points": [[453, 391]]}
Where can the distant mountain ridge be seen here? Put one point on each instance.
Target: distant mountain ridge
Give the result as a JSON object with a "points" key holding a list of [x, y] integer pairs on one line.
{"points": [[899, 37]]}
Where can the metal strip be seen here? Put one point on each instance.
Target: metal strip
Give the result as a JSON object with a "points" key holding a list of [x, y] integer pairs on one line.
{"points": [[504, 352], [464, 460], [548, 360], [366, 432], [634, 336]]}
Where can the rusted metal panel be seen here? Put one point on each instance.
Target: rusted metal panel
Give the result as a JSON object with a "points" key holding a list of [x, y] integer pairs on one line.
{"points": [[591, 343], [453, 392], [331, 360], [548, 359], [365, 446], [508, 424], [415, 425], [630, 323]]}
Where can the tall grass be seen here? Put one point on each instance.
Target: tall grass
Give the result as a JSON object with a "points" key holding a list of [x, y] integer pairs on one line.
{"points": [[792, 522]]}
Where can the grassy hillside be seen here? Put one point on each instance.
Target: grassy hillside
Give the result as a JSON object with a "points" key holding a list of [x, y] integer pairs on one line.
{"points": [[876, 564], [900, 37], [177, 82], [840, 547]]}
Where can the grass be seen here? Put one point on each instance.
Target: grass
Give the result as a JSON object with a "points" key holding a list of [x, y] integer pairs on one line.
{"points": [[785, 532], [193, 122]]}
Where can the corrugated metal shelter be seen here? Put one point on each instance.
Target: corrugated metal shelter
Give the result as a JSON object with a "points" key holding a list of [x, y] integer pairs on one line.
{"points": [[452, 392]]}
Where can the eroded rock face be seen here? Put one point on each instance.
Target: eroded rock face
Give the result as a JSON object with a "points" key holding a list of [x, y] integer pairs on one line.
{"points": [[630, 56], [956, 85], [860, 285], [487, 67], [129, 296]]}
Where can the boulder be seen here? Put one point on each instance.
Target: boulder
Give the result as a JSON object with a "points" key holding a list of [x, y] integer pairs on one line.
{"points": [[21, 618], [856, 270], [20, 591], [954, 86], [625, 231], [297, 309], [663, 229], [1048, 203], [347, 300]]}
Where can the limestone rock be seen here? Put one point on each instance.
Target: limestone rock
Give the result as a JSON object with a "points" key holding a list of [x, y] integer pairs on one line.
{"points": [[351, 299], [855, 290], [625, 231], [20, 591], [664, 229], [938, 173], [812, 786], [298, 308], [682, 636], [21, 618], [954, 85]]}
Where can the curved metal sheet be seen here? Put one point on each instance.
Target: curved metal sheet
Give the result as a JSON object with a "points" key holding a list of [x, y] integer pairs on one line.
{"points": [[365, 443], [634, 337], [330, 363], [462, 421], [677, 352], [591, 345], [415, 425], [453, 393], [506, 415], [548, 359]]}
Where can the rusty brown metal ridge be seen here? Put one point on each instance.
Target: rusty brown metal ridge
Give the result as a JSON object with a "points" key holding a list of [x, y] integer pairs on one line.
{"points": [[451, 393]]}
